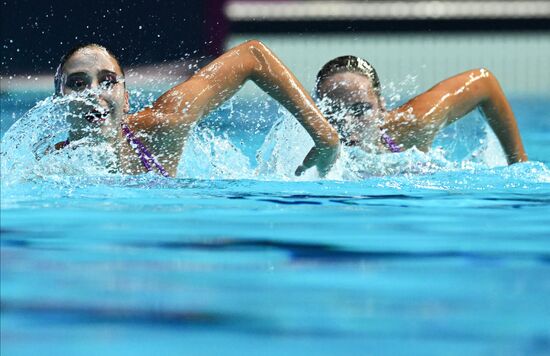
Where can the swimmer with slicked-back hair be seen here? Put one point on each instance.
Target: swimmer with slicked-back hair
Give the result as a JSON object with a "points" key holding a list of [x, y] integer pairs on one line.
{"points": [[348, 90], [153, 138]]}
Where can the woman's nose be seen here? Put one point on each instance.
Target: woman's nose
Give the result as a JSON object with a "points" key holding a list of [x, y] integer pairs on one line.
{"points": [[94, 83], [96, 89]]}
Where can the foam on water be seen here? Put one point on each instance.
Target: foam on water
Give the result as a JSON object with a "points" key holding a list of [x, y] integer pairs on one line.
{"points": [[468, 146], [287, 143], [207, 156]]}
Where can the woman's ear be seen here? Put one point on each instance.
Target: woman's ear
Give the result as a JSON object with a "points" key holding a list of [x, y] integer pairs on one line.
{"points": [[126, 102]]}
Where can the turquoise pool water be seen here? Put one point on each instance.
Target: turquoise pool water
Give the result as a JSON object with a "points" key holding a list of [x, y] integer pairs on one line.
{"points": [[443, 261]]}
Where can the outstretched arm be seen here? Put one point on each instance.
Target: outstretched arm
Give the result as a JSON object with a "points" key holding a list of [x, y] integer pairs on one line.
{"points": [[455, 97], [180, 107]]}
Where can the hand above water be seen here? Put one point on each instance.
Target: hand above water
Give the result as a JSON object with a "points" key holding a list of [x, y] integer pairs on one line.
{"points": [[321, 156]]}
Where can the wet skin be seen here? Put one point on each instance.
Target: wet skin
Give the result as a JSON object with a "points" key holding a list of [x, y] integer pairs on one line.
{"points": [[356, 110], [164, 126], [417, 122], [94, 71]]}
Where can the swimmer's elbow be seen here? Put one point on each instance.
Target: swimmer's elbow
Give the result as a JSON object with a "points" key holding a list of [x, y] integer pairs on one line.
{"points": [[490, 83], [479, 82], [255, 45], [480, 71], [486, 74], [258, 49]]}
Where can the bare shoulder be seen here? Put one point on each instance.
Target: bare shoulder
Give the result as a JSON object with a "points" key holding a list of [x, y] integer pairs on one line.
{"points": [[158, 135], [461, 79], [153, 120], [418, 120], [141, 120], [464, 89]]}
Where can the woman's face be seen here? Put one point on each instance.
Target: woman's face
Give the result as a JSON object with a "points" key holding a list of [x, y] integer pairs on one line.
{"points": [[353, 106], [96, 80]]}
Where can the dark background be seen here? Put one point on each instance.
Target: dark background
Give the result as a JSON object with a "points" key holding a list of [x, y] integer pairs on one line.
{"points": [[36, 33]]}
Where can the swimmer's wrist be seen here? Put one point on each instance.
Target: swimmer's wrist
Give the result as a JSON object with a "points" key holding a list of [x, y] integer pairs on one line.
{"points": [[327, 145], [319, 129], [327, 140], [517, 157]]}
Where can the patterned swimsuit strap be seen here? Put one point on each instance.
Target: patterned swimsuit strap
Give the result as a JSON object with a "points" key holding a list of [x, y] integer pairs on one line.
{"points": [[390, 143], [147, 159]]}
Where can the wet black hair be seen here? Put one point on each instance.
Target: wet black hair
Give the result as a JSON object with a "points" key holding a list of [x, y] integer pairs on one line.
{"points": [[59, 72], [347, 64]]}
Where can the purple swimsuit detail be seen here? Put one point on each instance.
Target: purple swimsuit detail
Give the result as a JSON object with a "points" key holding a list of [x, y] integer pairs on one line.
{"points": [[148, 161], [390, 143]]}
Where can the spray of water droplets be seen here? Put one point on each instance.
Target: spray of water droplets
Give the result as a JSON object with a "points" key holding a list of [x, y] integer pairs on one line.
{"points": [[28, 153]]}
